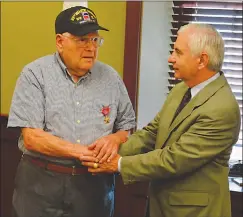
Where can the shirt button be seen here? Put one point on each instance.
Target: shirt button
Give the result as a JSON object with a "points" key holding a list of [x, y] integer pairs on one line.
{"points": [[78, 141], [78, 121], [77, 103]]}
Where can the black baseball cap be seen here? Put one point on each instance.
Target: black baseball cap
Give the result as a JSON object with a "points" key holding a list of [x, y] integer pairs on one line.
{"points": [[78, 21]]}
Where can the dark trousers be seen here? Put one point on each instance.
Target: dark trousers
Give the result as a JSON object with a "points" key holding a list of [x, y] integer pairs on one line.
{"points": [[42, 193]]}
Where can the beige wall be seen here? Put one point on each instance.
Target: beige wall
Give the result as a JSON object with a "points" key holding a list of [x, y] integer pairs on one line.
{"points": [[27, 32], [112, 16]]}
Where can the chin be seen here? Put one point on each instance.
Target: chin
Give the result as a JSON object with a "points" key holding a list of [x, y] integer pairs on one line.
{"points": [[87, 66], [177, 75]]}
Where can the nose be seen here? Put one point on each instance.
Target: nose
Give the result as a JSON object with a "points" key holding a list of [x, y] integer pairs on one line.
{"points": [[90, 46], [171, 59]]}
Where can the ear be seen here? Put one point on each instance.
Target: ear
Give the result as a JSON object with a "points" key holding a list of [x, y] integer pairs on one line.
{"points": [[203, 60], [59, 42]]}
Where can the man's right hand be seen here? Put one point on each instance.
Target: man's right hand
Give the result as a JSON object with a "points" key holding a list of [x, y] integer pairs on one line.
{"points": [[84, 152]]}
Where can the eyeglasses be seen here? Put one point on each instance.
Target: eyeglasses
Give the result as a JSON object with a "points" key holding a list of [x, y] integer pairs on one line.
{"points": [[84, 41]]}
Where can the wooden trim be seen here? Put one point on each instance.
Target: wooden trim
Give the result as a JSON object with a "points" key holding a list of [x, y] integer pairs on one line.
{"points": [[4, 115], [8, 134], [132, 49], [10, 156], [133, 196]]}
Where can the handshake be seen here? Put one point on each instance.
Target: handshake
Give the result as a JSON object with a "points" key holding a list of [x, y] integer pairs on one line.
{"points": [[101, 156]]}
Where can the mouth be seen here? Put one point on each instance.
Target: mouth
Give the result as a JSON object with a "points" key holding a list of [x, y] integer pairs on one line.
{"points": [[88, 57]]}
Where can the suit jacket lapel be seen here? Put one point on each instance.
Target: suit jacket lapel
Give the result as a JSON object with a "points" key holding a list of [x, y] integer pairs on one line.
{"points": [[173, 105], [197, 101], [168, 112]]}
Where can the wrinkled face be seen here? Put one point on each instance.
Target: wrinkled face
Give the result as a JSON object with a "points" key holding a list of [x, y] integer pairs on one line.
{"points": [[185, 65], [77, 55]]}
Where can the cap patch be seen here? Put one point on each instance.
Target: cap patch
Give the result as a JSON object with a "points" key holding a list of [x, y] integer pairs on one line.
{"points": [[86, 15], [83, 15]]}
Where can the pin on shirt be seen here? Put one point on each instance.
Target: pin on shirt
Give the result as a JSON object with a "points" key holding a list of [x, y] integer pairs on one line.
{"points": [[105, 111]]}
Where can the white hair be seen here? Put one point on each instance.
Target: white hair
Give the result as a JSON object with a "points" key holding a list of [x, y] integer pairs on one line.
{"points": [[205, 38]]}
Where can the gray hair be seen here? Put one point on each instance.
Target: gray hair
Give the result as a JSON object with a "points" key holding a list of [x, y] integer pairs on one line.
{"points": [[206, 38]]}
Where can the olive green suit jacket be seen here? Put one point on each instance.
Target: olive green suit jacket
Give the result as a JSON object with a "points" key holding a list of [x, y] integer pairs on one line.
{"points": [[186, 161]]}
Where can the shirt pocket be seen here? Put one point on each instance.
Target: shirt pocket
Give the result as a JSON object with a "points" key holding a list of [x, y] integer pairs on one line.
{"points": [[105, 113]]}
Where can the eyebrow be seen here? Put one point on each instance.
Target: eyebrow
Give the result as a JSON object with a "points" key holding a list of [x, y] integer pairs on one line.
{"points": [[177, 50]]}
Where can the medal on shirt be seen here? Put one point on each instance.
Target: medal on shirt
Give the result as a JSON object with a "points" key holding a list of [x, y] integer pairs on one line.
{"points": [[105, 111]]}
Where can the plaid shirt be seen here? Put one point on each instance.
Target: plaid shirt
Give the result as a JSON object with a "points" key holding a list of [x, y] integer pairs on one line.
{"points": [[46, 97]]}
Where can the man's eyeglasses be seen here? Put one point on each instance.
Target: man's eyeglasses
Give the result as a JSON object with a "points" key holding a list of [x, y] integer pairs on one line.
{"points": [[84, 41]]}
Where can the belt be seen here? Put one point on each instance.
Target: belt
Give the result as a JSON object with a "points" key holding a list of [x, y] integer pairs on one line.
{"points": [[71, 170]]}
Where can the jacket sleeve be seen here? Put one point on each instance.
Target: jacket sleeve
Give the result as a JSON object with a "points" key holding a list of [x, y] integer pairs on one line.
{"points": [[205, 141], [141, 141]]}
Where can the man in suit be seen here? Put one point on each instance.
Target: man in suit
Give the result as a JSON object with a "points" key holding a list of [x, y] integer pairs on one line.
{"points": [[184, 152]]}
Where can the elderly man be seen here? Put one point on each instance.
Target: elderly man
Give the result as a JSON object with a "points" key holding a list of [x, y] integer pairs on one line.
{"points": [[185, 150], [68, 105]]}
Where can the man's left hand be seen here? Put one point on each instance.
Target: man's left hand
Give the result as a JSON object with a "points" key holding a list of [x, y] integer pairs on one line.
{"points": [[106, 167], [105, 148]]}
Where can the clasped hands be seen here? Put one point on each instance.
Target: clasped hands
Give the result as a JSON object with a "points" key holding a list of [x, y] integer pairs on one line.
{"points": [[101, 156]]}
